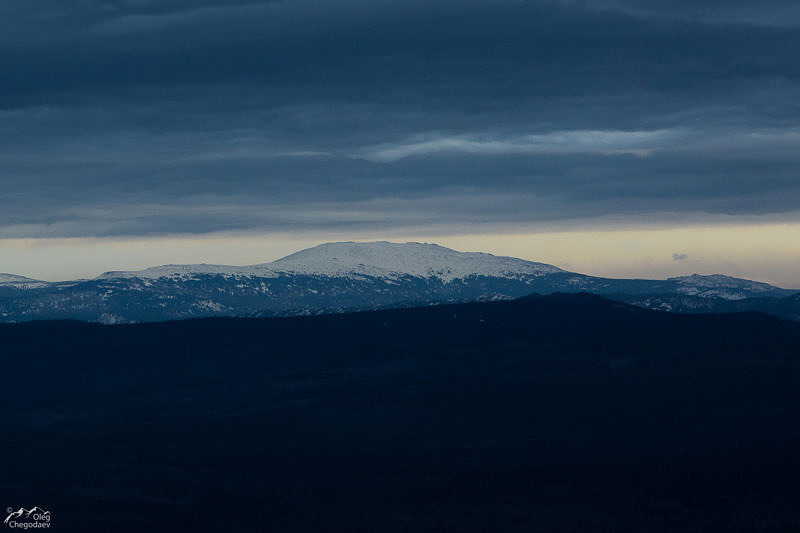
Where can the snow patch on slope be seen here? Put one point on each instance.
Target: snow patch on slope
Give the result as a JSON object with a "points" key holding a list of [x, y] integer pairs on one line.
{"points": [[720, 286], [21, 282], [191, 271]]}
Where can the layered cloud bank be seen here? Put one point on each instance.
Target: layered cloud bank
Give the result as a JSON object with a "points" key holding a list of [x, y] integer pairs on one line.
{"points": [[139, 117]]}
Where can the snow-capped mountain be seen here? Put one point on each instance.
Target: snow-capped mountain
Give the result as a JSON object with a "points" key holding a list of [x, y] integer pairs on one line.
{"points": [[391, 260], [375, 259], [719, 286], [333, 277], [191, 271], [20, 282], [785, 306]]}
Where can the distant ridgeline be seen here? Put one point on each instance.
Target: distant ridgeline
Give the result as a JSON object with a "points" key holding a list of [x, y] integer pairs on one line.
{"points": [[348, 276]]}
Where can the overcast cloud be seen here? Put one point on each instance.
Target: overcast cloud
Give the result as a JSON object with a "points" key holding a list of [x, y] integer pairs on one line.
{"points": [[142, 117]]}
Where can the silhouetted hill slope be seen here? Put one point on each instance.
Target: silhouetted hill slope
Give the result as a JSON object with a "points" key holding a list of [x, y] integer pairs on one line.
{"points": [[548, 413], [573, 316]]}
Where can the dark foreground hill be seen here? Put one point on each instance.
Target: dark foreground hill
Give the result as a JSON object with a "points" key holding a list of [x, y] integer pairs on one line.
{"points": [[557, 413]]}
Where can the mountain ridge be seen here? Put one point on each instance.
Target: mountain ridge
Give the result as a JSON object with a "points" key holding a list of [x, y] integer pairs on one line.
{"points": [[379, 258], [338, 277]]}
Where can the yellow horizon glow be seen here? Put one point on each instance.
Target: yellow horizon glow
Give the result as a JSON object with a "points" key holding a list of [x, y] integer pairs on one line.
{"points": [[762, 252]]}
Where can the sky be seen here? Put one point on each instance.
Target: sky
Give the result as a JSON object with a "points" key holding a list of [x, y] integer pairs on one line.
{"points": [[614, 137]]}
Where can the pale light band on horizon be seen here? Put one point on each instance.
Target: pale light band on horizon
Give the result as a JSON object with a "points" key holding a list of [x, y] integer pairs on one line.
{"points": [[746, 251]]}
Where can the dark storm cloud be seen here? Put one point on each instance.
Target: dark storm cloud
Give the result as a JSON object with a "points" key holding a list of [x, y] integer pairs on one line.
{"points": [[136, 117]]}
